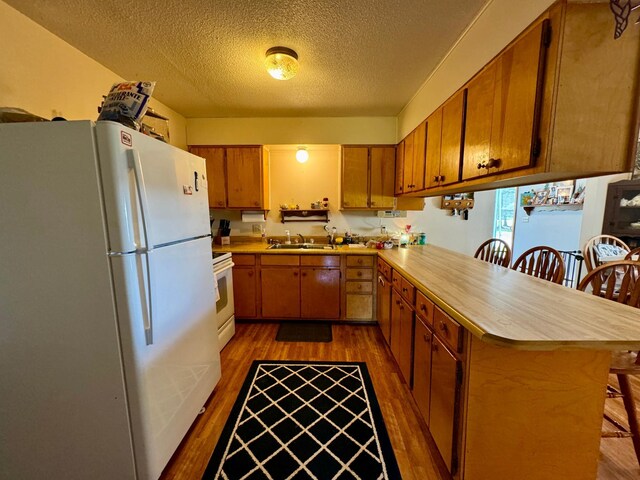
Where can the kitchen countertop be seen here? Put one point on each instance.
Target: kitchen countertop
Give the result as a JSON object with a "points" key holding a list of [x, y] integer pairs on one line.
{"points": [[257, 247], [508, 308]]}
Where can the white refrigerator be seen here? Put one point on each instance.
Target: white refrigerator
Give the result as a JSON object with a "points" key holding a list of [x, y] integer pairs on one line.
{"points": [[108, 337]]}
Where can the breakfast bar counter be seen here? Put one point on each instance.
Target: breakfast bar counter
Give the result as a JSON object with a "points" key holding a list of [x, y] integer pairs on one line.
{"points": [[532, 378]]}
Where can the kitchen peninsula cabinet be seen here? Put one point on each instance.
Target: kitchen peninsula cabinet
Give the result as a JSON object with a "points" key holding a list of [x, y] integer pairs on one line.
{"points": [[238, 177], [503, 106], [383, 299]]}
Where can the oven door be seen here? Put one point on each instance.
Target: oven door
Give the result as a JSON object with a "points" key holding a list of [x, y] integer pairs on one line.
{"points": [[224, 305]]}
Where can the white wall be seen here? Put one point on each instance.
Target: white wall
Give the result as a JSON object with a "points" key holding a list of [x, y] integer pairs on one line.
{"points": [[46, 76]]}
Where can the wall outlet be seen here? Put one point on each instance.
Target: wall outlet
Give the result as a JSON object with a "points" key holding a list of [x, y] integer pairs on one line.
{"points": [[257, 229]]}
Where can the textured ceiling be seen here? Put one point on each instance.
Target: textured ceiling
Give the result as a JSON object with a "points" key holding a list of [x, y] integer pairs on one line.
{"points": [[357, 57]]}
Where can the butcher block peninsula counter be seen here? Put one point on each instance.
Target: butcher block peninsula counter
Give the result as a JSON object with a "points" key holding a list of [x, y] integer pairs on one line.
{"points": [[522, 388]]}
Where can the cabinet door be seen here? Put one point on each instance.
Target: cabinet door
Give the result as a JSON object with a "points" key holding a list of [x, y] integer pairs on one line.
{"points": [[477, 130], [444, 401], [382, 177], [407, 175], [517, 98], [216, 176], [451, 147], [383, 306], [402, 334], [422, 367], [244, 177], [355, 177], [280, 292], [419, 160], [399, 188], [320, 293], [245, 292], [433, 147]]}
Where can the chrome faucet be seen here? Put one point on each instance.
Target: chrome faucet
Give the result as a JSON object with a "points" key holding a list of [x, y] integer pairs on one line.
{"points": [[302, 238]]}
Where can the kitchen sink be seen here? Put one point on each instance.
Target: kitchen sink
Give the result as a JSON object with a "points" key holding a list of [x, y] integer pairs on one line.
{"points": [[301, 246]]}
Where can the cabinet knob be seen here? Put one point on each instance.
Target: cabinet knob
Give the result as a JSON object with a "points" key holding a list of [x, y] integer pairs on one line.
{"points": [[441, 178], [373, 203], [404, 289], [359, 274], [443, 327], [397, 302], [256, 204], [401, 307], [251, 274], [220, 203], [346, 204], [493, 163], [295, 274], [434, 347], [304, 274], [423, 307], [480, 166], [426, 337]]}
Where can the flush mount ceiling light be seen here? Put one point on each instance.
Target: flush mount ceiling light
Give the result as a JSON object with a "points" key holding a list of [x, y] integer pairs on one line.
{"points": [[281, 63], [302, 155]]}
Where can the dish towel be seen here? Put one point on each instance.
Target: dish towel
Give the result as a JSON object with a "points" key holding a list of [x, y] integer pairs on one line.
{"points": [[215, 286]]}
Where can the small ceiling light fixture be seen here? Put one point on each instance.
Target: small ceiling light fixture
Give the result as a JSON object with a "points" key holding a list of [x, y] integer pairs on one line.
{"points": [[281, 63], [302, 155]]}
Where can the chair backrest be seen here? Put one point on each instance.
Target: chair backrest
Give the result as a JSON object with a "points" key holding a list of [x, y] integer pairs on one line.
{"points": [[590, 253], [494, 251], [618, 281], [633, 255], [541, 262]]}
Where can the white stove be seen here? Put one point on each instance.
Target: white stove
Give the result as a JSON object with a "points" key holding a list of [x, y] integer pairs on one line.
{"points": [[223, 274]]}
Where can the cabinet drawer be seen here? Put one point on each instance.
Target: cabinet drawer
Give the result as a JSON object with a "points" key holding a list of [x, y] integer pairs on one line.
{"points": [[396, 280], [280, 259], [320, 260], [407, 290], [384, 268], [359, 274], [359, 260], [243, 259], [359, 287], [424, 308], [447, 329]]}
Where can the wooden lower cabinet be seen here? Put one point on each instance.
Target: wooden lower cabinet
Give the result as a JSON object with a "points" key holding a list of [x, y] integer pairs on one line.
{"points": [[245, 292], [280, 292], [421, 388], [383, 306], [402, 334], [320, 293], [359, 287], [444, 401]]}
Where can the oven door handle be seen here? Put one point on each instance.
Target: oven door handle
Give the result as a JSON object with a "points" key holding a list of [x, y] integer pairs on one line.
{"points": [[221, 268]]}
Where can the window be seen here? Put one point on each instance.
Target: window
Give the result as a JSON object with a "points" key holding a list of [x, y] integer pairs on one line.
{"points": [[504, 215]]}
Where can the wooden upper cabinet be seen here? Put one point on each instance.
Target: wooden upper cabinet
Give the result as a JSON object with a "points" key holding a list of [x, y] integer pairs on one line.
{"points": [[503, 109], [434, 138], [355, 177], [399, 187], [407, 174], [245, 177], [216, 176], [419, 147], [382, 177], [444, 142]]}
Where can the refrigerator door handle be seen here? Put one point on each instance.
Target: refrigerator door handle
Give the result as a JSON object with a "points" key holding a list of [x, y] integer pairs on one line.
{"points": [[147, 314], [133, 157]]}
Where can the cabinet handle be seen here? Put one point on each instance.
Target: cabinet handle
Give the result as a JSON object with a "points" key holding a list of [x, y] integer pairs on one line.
{"points": [[400, 189], [380, 281], [295, 274], [434, 347], [397, 302], [443, 327], [427, 337], [481, 165], [441, 178], [423, 307], [404, 289], [493, 162], [435, 178]]}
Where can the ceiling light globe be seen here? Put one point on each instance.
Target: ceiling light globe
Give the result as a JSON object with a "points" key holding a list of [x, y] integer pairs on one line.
{"points": [[302, 155], [281, 63]]}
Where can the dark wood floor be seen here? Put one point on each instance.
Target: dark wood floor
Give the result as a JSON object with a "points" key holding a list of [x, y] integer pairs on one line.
{"points": [[413, 447]]}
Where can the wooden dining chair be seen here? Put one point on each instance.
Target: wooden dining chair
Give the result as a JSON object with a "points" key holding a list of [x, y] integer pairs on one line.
{"points": [[591, 255], [541, 262], [494, 251], [633, 255], [620, 282]]}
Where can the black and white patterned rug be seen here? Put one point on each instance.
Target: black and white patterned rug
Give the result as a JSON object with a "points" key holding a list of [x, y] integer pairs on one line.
{"points": [[304, 420]]}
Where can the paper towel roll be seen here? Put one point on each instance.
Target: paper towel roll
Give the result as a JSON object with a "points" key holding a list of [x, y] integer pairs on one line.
{"points": [[253, 217]]}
